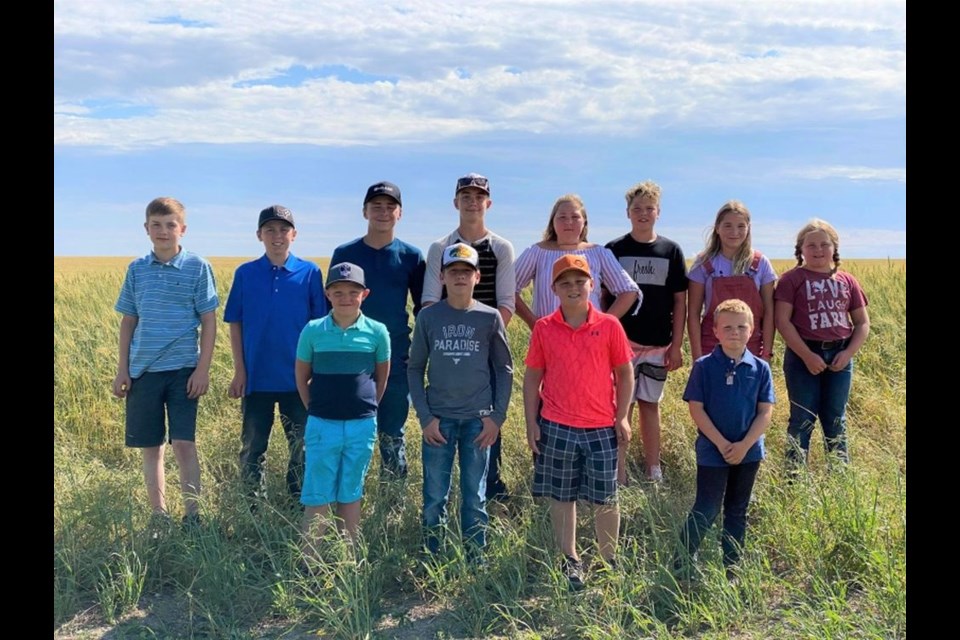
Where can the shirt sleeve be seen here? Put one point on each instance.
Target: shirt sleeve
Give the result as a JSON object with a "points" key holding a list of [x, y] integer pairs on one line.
{"points": [[502, 363], [127, 301], [535, 356], [205, 292], [233, 310], [525, 267], [432, 287], [506, 275], [612, 275], [305, 346], [678, 271], [415, 284], [786, 287], [766, 271], [698, 274], [857, 296], [694, 389], [766, 392], [416, 369], [621, 352], [383, 343]]}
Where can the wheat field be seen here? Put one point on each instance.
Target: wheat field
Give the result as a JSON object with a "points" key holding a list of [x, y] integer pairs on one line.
{"points": [[825, 556]]}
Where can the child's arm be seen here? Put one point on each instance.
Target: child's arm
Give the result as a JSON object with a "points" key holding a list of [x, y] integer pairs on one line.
{"points": [[531, 403], [121, 384], [625, 385], [861, 329], [783, 312], [706, 426], [382, 372], [525, 313], [416, 369], [238, 386], [735, 451], [767, 322], [623, 303], [674, 358], [199, 381], [303, 372], [501, 364], [694, 309]]}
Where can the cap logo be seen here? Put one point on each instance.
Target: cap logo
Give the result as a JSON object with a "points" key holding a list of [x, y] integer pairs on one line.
{"points": [[460, 251], [345, 271]]}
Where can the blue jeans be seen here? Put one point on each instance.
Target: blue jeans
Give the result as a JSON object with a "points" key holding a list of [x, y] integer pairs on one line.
{"points": [[730, 487], [258, 418], [391, 418], [437, 470], [822, 396]]}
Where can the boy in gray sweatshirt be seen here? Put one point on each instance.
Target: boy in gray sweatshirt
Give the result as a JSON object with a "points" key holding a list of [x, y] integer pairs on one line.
{"points": [[465, 343]]}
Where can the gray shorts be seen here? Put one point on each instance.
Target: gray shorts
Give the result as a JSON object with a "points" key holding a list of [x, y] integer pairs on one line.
{"points": [[575, 463], [649, 374]]}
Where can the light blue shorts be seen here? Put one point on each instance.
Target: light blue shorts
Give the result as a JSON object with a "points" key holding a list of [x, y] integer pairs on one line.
{"points": [[338, 454]]}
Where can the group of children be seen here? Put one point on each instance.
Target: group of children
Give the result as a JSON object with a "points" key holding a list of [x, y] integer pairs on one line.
{"points": [[343, 379]]}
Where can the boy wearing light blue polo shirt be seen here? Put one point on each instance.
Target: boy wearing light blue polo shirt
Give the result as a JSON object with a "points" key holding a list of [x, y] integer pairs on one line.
{"points": [[161, 372], [271, 300], [343, 362]]}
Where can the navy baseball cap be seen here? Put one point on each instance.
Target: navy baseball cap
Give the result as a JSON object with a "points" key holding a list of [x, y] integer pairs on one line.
{"points": [[345, 272]]}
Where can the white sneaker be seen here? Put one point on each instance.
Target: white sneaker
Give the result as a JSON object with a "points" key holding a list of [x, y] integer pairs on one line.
{"points": [[654, 474]]}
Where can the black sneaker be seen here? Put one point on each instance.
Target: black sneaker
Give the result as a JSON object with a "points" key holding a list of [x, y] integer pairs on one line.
{"points": [[573, 572], [191, 521]]}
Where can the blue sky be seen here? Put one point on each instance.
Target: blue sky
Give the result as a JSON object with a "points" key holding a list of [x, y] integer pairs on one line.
{"points": [[797, 109]]}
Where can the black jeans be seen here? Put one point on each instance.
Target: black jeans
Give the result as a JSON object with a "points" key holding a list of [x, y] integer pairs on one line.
{"points": [[258, 417]]}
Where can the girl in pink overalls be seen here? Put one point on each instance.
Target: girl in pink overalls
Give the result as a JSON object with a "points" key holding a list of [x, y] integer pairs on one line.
{"points": [[730, 268]]}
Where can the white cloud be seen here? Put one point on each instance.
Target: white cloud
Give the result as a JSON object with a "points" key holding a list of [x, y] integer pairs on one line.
{"points": [[535, 66], [894, 174]]}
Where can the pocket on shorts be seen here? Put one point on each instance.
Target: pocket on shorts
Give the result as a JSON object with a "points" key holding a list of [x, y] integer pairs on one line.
{"points": [[653, 371]]}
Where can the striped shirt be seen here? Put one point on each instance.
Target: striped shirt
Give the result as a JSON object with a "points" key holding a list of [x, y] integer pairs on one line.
{"points": [[343, 362], [536, 264], [167, 298], [498, 280]]}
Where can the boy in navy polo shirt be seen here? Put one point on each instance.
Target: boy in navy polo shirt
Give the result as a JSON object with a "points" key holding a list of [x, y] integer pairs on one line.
{"points": [[343, 362], [392, 269], [166, 296], [271, 300], [730, 394]]}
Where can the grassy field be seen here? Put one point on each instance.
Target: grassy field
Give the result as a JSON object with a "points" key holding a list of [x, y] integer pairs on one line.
{"points": [[825, 557]]}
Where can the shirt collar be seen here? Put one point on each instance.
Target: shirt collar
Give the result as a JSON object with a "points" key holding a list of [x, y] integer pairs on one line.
{"points": [[748, 358], [288, 265], [592, 317], [176, 261]]}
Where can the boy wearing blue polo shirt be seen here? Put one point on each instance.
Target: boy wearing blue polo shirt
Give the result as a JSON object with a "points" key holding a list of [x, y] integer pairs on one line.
{"points": [[393, 269], [166, 295], [271, 300], [343, 362], [730, 393]]}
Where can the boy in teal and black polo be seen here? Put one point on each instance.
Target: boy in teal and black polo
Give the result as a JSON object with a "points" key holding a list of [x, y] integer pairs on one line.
{"points": [[343, 362]]}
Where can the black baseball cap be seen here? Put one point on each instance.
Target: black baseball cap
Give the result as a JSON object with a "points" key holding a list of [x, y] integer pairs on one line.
{"points": [[383, 189], [276, 212]]}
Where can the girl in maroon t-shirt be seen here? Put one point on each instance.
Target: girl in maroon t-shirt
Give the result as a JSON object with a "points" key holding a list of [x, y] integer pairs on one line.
{"points": [[822, 315]]}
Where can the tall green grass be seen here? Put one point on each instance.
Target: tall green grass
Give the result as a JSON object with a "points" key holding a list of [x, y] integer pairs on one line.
{"points": [[825, 557]]}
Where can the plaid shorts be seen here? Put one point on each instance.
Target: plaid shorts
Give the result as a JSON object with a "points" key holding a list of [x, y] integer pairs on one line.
{"points": [[575, 463]]}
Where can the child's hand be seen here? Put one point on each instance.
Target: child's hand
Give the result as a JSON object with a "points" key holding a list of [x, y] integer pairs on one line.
{"points": [[198, 383], [623, 431], [735, 452], [673, 360], [841, 360], [533, 436], [432, 435], [489, 434], [121, 385], [238, 385], [815, 364]]}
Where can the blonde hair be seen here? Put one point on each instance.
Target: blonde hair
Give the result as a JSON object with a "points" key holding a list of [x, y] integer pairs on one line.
{"points": [[744, 256], [816, 224], [733, 305], [165, 206], [646, 189], [550, 234]]}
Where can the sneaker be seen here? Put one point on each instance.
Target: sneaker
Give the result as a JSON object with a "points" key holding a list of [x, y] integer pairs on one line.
{"points": [[654, 474], [191, 521], [573, 572]]}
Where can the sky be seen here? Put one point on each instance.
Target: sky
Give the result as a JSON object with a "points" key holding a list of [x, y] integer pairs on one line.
{"points": [[798, 109]]}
